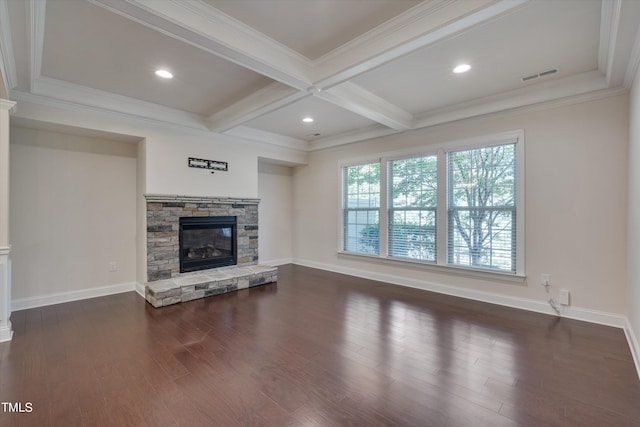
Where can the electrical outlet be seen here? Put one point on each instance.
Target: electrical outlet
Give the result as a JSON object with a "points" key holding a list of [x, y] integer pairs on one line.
{"points": [[113, 266], [564, 297], [545, 279]]}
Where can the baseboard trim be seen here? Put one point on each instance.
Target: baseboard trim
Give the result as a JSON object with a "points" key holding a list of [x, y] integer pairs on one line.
{"points": [[44, 300], [577, 313], [634, 345], [277, 262], [6, 332], [140, 289]]}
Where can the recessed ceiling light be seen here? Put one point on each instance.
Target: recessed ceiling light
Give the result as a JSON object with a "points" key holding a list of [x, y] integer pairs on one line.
{"points": [[164, 74], [308, 120], [462, 68]]}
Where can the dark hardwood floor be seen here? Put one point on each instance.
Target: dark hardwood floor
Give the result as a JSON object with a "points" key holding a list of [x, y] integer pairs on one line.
{"points": [[315, 349]]}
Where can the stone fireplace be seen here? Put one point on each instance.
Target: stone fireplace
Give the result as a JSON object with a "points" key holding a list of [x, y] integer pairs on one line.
{"points": [[201, 246], [166, 215]]}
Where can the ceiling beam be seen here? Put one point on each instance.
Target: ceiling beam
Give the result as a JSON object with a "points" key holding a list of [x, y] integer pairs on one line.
{"points": [[263, 101], [360, 101], [420, 26], [8, 75], [326, 78], [197, 23], [609, 25]]}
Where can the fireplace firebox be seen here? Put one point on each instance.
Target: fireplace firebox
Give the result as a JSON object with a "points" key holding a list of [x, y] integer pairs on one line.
{"points": [[207, 242]]}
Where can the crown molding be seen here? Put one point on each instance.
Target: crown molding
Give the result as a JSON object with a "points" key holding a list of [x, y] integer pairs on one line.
{"points": [[39, 101], [358, 135], [102, 100], [540, 93], [573, 90], [262, 136]]}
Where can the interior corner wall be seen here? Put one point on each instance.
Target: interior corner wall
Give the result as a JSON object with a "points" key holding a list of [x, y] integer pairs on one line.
{"points": [[72, 213], [634, 210], [275, 191], [576, 204]]}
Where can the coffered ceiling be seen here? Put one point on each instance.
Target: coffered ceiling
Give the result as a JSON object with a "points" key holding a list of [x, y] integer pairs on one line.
{"points": [[360, 68]]}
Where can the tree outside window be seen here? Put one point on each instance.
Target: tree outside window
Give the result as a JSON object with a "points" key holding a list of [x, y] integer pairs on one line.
{"points": [[481, 187], [482, 207], [361, 208]]}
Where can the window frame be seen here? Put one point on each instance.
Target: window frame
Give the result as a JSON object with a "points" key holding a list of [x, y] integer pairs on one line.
{"points": [[344, 209], [386, 162], [441, 263]]}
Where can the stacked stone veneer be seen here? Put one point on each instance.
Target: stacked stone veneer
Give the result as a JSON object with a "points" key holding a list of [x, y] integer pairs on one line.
{"points": [[213, 282], [163, 214], [166, 285]]}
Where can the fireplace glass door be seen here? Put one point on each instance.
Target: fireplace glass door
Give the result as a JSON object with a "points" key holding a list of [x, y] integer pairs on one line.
{"points": [[207, 242]]}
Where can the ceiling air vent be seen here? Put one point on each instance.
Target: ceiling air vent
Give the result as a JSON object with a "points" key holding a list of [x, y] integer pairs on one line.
{"points": [[540, 74]]}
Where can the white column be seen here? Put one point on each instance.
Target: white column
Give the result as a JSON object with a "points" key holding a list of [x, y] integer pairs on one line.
{"points": [[5, 248]]}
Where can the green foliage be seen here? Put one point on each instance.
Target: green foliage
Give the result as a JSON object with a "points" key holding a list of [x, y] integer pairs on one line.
{"points": [[370, 237], [415, 182], [413, 241], [481, 198], [483, 185]]}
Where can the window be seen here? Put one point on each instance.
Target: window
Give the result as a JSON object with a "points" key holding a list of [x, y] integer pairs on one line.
{"points": [[457, 206], [413, 187], [361, 201], [482, 208]]}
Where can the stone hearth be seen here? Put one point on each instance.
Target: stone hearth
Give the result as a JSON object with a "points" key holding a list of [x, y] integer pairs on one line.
{"points": [[205, 284]]}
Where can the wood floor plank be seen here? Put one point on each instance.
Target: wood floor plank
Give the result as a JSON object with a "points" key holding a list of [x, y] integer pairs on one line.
{"points": [[315, 348]]}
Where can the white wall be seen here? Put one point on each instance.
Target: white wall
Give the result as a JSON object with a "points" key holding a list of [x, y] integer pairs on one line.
{"points": [[634, 211], [576, 189], [72, 212], [167, 149], [167, 170], [163, 155], [275, 190]]}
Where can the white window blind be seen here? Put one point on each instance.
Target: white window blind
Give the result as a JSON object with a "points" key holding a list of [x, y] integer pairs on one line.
{"points": [[482, 208], [459, 205], [361, 208], [413, 185]]}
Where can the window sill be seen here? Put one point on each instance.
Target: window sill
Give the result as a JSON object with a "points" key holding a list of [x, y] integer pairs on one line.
{"points": [[446, 269]]}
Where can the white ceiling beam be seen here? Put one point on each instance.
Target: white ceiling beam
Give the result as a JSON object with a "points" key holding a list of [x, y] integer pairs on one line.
{"points": [[360, 101], [420, 26], [197, 23], [222, 35], [36, 38], [261, 102], [609, 25], [8, 75]]}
